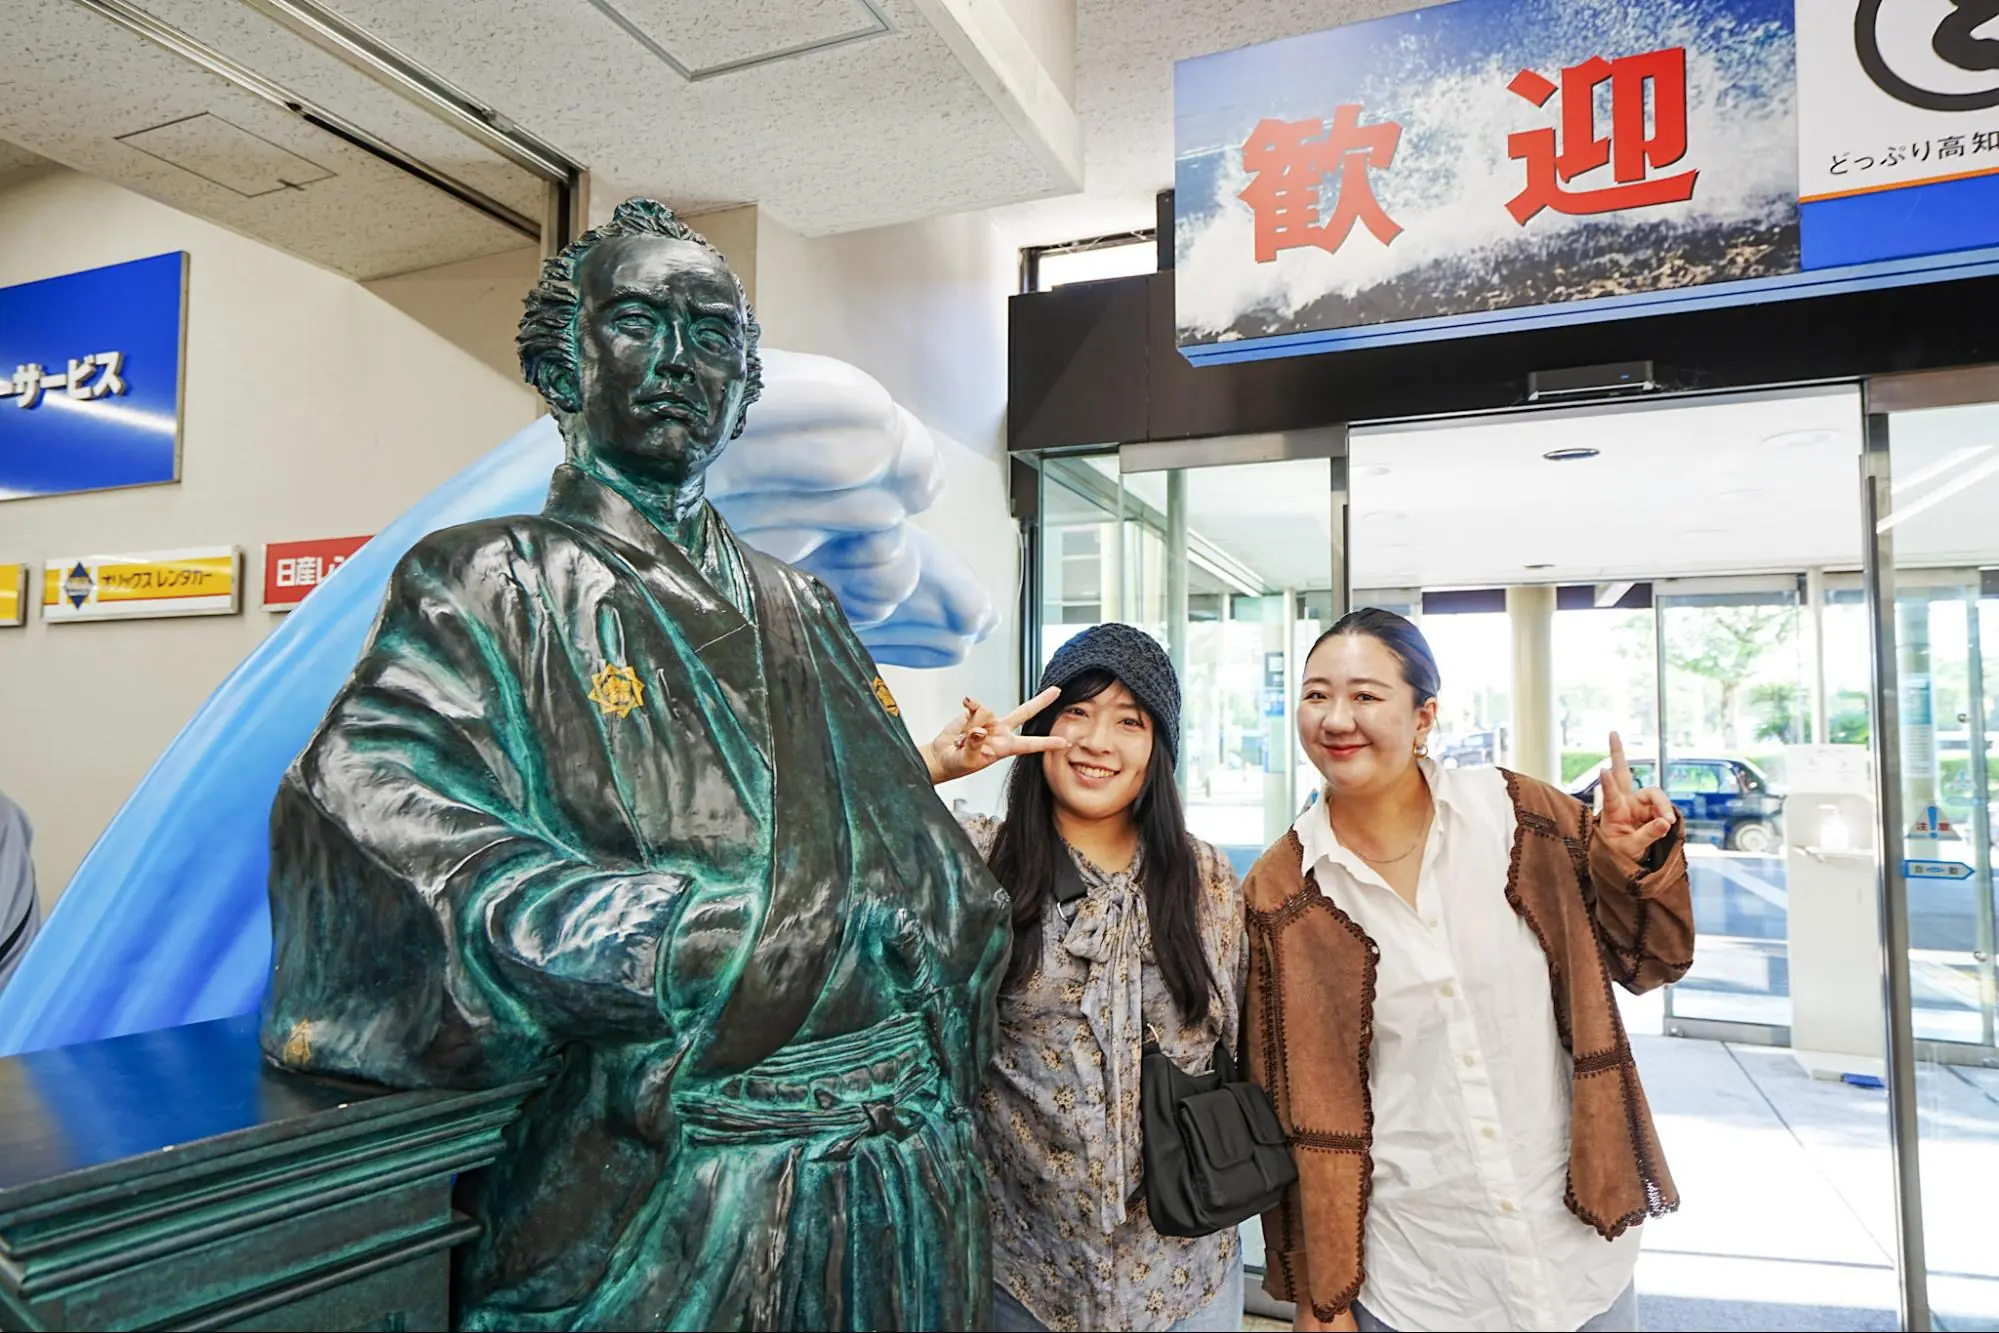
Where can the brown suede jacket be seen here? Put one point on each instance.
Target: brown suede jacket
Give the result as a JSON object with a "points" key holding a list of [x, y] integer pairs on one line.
{"points": [[1600, 917]]}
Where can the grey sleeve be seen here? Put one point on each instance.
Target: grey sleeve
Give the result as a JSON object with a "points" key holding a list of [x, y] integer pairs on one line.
{"points": [[20, 910]]}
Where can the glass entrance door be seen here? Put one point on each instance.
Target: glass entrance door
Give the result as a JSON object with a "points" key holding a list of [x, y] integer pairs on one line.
{"points": [[1231, 567], [1734, 696], [1932, 487]]}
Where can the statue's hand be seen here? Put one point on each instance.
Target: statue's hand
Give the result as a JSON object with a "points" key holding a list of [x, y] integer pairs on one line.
{"points": [[979, 739]]}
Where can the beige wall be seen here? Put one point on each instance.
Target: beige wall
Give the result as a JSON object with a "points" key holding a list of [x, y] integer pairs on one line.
{"points": [[733, 231], [474, 304], [312, 409]]}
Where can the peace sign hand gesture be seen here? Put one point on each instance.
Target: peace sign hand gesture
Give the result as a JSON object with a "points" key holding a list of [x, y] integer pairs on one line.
{"points": [[1632, 820], [979, 739]]}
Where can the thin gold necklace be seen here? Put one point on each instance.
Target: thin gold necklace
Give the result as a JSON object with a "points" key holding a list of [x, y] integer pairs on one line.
{"points": [[1421, 838]]}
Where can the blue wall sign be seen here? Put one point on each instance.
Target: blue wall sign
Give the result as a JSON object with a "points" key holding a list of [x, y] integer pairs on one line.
{"points": [[90, 379], [1490, 165]]}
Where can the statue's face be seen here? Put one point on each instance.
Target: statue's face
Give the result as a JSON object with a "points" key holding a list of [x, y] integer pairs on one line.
{"points": [[661, 355]]}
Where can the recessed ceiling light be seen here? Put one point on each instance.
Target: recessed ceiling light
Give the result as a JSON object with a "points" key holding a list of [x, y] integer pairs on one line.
{"points": [[1570, 455], [1798, 439], [1372, 470], [1546, 565]]}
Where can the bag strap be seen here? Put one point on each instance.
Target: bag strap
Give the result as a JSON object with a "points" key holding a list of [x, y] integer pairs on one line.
{"points": [[1069, 886], [1224, 1062]]}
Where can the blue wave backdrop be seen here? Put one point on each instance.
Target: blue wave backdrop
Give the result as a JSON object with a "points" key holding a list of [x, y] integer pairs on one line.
{"points": [[167, 920]]}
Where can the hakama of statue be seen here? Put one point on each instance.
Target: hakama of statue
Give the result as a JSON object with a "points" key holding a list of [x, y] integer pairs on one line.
{"points": [[614, 801]]}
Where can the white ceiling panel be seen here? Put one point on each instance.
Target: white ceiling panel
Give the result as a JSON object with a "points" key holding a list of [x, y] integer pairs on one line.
{"points": [[856, 135], [262, 44], [225, 154], [1733, 486], [712, 38], [75, 84], [834, 115]]}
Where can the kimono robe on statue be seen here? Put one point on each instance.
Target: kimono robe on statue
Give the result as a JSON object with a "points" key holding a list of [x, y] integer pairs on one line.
{"points": [[576, 817]]}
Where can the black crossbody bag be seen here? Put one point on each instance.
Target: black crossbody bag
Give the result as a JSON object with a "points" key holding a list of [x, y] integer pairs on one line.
{"points": [[1214, 1150]]}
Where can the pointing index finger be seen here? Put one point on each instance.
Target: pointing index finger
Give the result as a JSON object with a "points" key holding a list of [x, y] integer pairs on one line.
{"points": [[1620, 770]]}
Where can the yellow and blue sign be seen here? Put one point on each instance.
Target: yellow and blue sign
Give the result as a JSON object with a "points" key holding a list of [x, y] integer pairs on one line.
{"points": [[203, 582], [1491, 165], [91, 370], [13, 595]]}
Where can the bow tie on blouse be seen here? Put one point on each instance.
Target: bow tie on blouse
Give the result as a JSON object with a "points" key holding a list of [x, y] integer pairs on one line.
{"points": [[1108, 933]]}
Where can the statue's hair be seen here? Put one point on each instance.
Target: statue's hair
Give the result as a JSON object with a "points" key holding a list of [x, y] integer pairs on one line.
{"points": [[547, 339]]}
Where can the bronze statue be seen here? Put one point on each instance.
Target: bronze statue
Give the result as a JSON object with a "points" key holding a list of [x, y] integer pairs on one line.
{"points": [[613, 798]]}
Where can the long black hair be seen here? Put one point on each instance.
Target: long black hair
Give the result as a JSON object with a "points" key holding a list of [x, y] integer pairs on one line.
{"points": [[1024, 859]]}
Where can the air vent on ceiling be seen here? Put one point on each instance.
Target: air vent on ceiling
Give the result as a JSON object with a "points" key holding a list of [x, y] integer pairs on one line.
{"points": [[706, 41], [226, 154]]}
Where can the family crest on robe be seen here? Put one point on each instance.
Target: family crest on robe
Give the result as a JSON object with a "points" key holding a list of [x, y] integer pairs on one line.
{"points": [[630, 811]]}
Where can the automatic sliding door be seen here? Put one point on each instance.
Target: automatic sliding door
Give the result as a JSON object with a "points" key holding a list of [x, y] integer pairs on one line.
{"points": [[1734, 700], [1933, 488]]}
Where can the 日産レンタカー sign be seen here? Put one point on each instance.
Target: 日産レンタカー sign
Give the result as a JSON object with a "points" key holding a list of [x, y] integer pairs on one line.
{"points": [[293, 569], [1493, 164], [204, 582], [90, 379]]}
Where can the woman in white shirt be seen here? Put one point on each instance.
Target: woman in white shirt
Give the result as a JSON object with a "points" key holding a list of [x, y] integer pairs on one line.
{"points": [[1431, 953]]}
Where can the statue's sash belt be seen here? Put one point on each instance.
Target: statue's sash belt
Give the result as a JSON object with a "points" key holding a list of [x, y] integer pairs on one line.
{"points": [[883, 1080]]}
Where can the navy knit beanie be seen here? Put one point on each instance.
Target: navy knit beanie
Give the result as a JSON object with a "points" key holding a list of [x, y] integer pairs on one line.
{"points": [[1139, 663]]}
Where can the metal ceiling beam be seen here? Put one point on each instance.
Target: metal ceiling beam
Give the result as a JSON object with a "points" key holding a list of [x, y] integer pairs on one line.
{"points": [[359, 49], [189, 48]]}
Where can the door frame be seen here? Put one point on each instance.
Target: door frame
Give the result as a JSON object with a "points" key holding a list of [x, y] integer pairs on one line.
{"points": [[1882, 398]]}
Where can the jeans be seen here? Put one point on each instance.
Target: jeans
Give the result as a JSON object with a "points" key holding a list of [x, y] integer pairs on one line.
{"points": [[1621, 1317], [1221, 1315]]}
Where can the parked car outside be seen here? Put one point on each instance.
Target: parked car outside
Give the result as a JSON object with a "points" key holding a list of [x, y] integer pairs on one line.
{"points": [[1728, 802], [1476, 750]]}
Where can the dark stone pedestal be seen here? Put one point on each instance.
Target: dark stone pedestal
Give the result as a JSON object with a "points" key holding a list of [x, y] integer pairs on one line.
{"points": [[174, 1180]]}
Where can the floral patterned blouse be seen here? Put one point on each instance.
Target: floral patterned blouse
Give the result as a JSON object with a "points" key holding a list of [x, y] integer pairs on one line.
{"points": [[1059, 1128]]}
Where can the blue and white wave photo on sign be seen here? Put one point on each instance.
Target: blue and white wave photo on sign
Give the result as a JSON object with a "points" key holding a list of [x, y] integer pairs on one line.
{"points": [[1495, 155]]}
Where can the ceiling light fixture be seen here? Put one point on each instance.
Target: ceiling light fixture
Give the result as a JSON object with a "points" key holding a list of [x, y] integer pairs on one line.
{"points": [[1544, 565], [1570, 456], [1373, 470]]}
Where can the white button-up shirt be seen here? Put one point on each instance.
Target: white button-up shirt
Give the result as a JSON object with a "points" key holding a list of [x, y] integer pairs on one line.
{"points": [[1467, 1225]]}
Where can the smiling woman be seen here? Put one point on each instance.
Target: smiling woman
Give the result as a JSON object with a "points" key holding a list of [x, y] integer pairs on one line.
{"points": [[1430, 952], [1124, 926]]}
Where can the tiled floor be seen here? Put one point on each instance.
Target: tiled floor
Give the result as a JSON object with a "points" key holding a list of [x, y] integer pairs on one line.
{"points": [[1788, 1219], [1789, 1213]]}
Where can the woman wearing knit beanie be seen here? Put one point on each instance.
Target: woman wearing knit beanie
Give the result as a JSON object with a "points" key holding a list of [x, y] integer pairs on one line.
{"points": [[1124, 926]]}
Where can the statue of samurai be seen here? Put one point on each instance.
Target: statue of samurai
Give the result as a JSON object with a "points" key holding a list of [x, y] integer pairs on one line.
{"points": [[614, 801]]}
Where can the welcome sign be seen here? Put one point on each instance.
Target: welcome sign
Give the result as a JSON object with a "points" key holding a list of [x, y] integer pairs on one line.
{"points": [[1494, 164]]}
